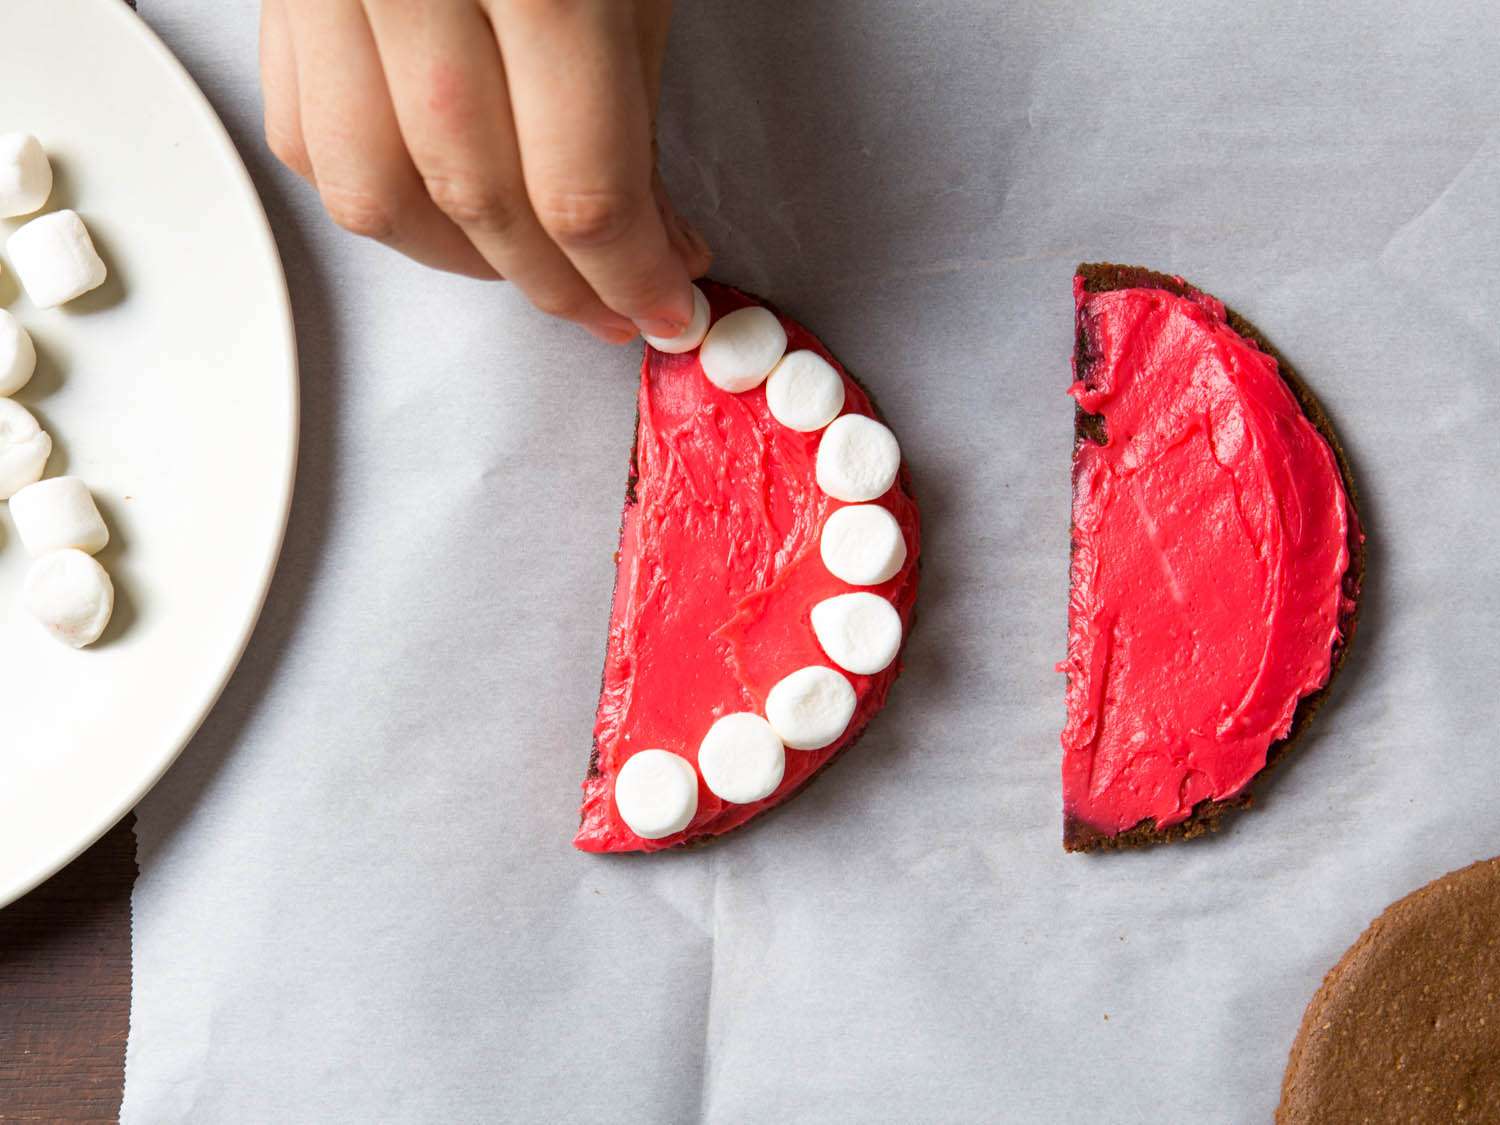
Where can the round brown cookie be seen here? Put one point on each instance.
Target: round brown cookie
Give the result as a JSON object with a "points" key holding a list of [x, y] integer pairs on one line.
{"points": [[1407, 1025]]}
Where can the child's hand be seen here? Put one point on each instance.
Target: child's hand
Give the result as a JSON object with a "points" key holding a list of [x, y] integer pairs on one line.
{"points": [[491, 137]]}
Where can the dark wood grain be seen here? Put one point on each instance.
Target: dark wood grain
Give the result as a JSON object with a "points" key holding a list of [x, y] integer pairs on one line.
{"points": [[65, 988]]}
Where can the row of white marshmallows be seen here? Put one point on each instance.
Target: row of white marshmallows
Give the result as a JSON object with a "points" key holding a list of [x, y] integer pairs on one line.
{"points": [[743, 756], [65, 589]]}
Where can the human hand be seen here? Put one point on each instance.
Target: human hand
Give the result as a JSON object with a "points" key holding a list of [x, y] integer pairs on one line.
{"points": [[493, 138]]}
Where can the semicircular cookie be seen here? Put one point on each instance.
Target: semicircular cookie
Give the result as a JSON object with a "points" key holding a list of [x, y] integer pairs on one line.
{"points": [[720, 563], [1217, 560]]}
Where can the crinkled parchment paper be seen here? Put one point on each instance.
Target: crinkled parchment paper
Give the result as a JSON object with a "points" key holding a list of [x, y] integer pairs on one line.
{"points": [[357, 898]]}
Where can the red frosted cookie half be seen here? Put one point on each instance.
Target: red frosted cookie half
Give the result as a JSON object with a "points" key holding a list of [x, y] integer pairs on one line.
{"points": [[765, 581], [1217, 559]]}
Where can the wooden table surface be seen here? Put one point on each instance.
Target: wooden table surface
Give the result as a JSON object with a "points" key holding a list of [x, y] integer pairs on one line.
{"points": [[65, 988]]}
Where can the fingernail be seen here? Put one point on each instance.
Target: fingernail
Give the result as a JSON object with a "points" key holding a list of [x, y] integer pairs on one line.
{"points": [[656, 326]]}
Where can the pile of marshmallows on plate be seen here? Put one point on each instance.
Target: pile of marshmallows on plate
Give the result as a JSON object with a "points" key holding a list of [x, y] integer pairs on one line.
{"points": [[743, 756], [65, 589]]}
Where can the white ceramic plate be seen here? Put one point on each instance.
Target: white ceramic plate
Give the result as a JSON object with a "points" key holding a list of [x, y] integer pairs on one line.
{"points": [[172, 391]]}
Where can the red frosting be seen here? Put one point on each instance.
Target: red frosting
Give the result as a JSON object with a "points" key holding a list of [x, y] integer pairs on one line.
{"points": [[718, 570], [1210, 541]]}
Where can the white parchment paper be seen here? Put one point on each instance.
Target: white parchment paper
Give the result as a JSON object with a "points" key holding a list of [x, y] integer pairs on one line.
{"points": [[357, 898]]}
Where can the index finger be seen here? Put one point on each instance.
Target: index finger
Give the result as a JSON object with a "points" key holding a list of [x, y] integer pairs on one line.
{"points": [[583, 122]]}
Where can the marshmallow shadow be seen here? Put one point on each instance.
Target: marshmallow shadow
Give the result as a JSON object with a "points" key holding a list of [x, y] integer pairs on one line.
{"points": [[110, 557], [64, 197], [57, 460], [45, 381], [10, 289]]}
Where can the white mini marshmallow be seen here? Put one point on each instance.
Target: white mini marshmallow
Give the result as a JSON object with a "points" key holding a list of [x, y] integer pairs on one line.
{"points": [[24, 448], [861, 633], [55, 259], [56, 513], [858, 459], [810, 708], [741, 348], [691, 336], [25, 174], [804, 391], [863, 545], [17, 355], [741, 758], [71, 595], [656, 792]]}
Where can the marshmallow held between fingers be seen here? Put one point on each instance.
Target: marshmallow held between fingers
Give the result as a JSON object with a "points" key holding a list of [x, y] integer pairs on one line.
{"points": [[17, 355], [25, 174], [861, 633], [858, 459], [741, 758], [811, 708], [55, 258], [56, 513], [741, 348], [691, 336], [804, 392], [656, 792], [71, 595], [862, 544], [24, 448]]}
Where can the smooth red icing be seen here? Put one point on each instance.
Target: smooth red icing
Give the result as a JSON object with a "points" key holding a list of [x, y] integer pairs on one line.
{"points": [[718, 570], [1210, 542]]}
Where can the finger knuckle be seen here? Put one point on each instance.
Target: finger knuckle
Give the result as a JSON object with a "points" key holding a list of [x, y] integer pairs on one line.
{"points": [[451, 98], [472, 202], [587, 218], [361, 211]]}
